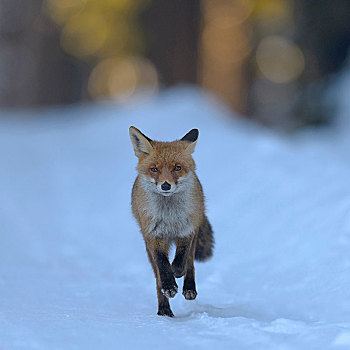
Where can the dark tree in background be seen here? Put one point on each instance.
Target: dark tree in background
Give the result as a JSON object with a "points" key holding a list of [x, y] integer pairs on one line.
{"points": [[33, 68], [323, 33], [171, 30]]}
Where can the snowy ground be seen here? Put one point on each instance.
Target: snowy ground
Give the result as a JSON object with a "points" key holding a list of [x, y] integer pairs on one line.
{"points": [[74, 272]]}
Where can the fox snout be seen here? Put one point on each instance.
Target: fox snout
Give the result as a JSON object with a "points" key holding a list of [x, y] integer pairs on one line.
{"points": [[166, 188]]}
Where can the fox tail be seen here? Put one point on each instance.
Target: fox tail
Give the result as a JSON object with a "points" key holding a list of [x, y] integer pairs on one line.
{"points": [[205, 241]]}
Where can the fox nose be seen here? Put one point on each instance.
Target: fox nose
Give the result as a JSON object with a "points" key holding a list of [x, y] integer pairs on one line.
{"points": [[166, 186]]}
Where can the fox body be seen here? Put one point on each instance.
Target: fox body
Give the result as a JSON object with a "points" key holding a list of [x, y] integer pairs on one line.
{"points": [[168, 204]]}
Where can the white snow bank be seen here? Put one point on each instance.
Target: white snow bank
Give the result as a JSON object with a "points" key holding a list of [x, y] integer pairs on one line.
{"points": [[74, 272]]}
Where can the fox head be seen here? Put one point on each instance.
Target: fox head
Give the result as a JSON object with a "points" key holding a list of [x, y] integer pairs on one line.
{"points": [[165, 167]]}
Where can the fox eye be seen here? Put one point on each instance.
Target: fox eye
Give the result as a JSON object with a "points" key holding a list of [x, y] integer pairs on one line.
{"points": [[154, 170], [177, 168]]}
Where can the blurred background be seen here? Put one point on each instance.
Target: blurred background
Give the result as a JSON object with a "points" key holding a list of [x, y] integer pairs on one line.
{"points": [[268, 60]]}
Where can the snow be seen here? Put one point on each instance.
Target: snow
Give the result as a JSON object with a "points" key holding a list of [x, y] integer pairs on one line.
{"points": [[74, 271]]}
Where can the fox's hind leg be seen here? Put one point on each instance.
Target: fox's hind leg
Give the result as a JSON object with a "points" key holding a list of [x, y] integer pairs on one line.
{"points": [[157, 251]]}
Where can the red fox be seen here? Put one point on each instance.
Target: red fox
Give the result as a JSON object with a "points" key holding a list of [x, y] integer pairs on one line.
{"points": [[168, 204]]}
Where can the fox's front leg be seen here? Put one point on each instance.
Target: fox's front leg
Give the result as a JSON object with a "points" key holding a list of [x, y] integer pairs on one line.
{"points": [[183, 248], [157, 250]]}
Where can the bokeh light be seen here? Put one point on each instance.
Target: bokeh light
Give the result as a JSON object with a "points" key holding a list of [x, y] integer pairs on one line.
{"points": [[123, 78], [272, 11], [84, 34], [98, 31], [279, 60], [61, 10]]}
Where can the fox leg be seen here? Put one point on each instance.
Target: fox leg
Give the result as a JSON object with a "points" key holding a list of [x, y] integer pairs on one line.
{"points": [[166, 286], [183, 248], [189, 286]]}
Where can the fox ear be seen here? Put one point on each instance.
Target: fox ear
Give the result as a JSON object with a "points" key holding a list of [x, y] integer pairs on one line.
{"points": [[142, 144], [191, 137]]}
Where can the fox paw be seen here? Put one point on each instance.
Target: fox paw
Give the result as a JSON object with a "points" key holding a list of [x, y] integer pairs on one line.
{"points": [[166, 311], [178, 271], [169, 292], [189, 294]]}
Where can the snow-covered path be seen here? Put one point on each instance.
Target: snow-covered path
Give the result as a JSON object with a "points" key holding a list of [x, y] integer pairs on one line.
{"points": [[74, 272]]}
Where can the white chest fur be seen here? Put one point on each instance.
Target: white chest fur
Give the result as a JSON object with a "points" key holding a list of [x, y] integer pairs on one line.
{"points": [[170, 216]]}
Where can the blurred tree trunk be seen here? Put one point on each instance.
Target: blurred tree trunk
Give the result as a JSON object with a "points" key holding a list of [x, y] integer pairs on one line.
{"points": [[33, 68], [171, 31], [223, 51], [323, 33]]}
